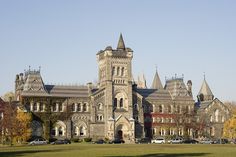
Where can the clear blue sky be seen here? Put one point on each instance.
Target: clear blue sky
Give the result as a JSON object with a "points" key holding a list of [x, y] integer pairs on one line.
{"points": [[63, 37]]}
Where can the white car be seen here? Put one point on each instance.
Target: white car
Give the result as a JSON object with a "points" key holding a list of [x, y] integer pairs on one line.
{"points": [[158, 140], [176, 140], [38, 142]]}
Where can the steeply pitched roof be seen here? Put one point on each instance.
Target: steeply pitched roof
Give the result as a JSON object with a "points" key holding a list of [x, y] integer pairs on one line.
{"points": [[34, 84], [156, 84], [205, 89], [121, 43]]}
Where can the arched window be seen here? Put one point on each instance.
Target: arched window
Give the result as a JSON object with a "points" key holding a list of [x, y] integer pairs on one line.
{"points": [[79, 107], [160, 109], [122, 71], [211, 118], [85, 107], [216, 115], [121, 103], [113, 70], [54, 107], [35, 107], [76, 132], [115, 103], [73, 107], [100, 106], [118, 71], [41, 108]]}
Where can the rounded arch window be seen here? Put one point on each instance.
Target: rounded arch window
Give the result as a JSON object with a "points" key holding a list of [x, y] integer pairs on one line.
{"points": [[100, 106], [216, 115]]}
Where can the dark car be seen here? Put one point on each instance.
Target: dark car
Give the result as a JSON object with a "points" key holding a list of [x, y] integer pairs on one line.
{"points": [[143, 140], [221, 141], [117, 141], [100, 141], [64, 141], [190, 141]]}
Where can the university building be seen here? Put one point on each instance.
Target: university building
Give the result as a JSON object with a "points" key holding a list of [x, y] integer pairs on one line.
{"points": [[118, 106]]}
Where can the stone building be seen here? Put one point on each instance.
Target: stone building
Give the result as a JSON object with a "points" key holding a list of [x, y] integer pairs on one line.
{"points": [[117, 107]]}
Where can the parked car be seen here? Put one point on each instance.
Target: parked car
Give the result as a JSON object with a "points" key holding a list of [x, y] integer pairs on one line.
{"points": [[62, 141], [117, 141], [206, 141], [159, 140], [100, 141], [190, 141], [143, 140], [39, 141], [221, 141], [176, 140]]}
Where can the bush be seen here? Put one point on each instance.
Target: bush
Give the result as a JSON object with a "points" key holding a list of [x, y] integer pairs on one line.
{"points": [[88, 139], [76, 140], [52, 140]]}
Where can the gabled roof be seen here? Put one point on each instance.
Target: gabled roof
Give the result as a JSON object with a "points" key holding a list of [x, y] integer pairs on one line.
{"points": [[156, 84], [205, 89]]}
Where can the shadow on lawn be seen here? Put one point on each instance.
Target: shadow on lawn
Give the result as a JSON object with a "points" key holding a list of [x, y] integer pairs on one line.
{"points": [[168, 155], [22, 153]]}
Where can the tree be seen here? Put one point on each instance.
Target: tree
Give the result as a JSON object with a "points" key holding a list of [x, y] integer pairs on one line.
{"points": [[229, 130], [8, 96], [24, 130]]}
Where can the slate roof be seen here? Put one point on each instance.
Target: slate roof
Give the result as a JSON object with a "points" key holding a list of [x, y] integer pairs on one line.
{"points": [[156, 84], [154, 94], [205, 89]]}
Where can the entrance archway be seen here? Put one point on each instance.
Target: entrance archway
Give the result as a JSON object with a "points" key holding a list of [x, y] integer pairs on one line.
{"points": [[120, 134]]}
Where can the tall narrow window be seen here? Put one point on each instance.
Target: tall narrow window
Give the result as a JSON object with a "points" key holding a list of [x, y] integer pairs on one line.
{"points": [[217, 115], [73, 107], [41, 107], [122, 71], [60, 107], [113, 70], [54, 107], [35, 107], [79, 107], [118, 71], [121, 103], [160, 109], [85, 107], [169, 109], [115, 103]]}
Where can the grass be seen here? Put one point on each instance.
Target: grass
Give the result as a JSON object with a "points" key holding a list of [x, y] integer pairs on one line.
{"points": [[118, 150]]}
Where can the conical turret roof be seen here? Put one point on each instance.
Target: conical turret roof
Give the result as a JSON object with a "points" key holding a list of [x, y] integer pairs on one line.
{"points": [[121, 44], [156, 84]]}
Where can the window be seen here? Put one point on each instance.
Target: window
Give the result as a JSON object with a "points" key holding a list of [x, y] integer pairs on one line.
{"points": [[136, 107], [217, 115], [85, 107], [100, 106], [223, 119], [60, 107], [82, 131], [113, 70], [35, 107], [211, 118], [79, 107], [160, 109], [115, 103], [54, 107], [60, 131], [73, 108], [118, 71], [122, 71], [178, 109], [76, 132], [169, 109], [41, 108], [121, 103]]}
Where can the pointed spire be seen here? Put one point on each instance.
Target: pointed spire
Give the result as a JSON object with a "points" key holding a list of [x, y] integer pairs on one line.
{"points": [[156, 84], [205, 92], [121, 44]]}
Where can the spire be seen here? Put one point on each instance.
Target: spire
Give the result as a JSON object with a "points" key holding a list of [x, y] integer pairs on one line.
{"points": [[205, 93], [156, 84], [142, 82], [121, 44]]}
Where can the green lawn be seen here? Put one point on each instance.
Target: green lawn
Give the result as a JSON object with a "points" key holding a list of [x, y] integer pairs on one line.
{"points": [[118, 150]]}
